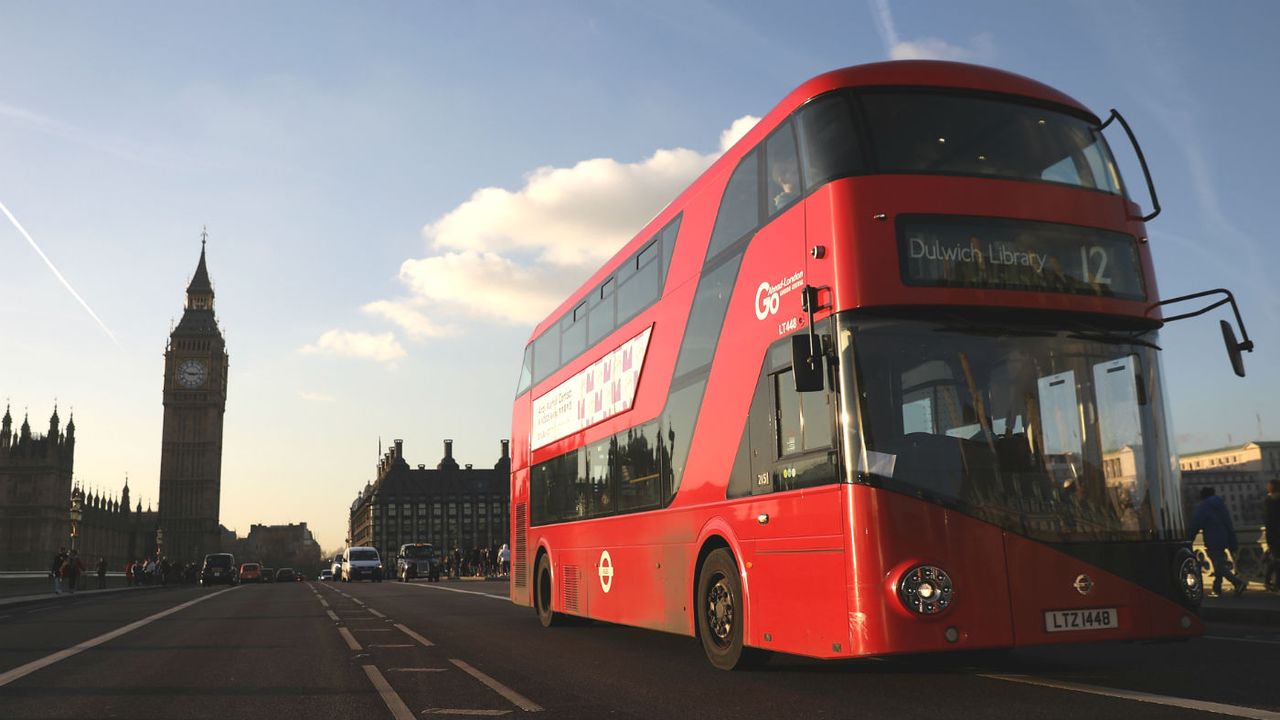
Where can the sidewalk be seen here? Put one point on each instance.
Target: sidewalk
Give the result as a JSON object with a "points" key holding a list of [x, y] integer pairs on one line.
{"points": [[1255, 607], [47, 595]]}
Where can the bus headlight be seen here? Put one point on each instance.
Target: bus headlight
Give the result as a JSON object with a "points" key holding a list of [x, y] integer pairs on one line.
{"points": [[925, 589], [1190, 584]]}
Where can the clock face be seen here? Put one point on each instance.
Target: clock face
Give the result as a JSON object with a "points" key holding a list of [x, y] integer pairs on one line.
{"points": [[192, 373]]}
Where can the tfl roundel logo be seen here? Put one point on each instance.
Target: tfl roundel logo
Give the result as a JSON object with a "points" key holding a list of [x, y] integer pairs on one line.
{"points": [[606, 571]]}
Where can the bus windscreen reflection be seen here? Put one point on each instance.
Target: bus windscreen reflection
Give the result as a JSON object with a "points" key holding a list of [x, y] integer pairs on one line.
{"points": [[1052, 435]]}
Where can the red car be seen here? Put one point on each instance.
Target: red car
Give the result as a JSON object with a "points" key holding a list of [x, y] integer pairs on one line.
{"points": [[251, 573]]}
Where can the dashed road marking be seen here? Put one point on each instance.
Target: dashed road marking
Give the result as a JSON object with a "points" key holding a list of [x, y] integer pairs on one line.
{"points": [[425, 642], [1240, 639], [357, 601], [323, 602], [398, 709], [516, 698], [504, 598], [1167, 700], [351, 640], [24, 670], [333, 615], [375, 613]]}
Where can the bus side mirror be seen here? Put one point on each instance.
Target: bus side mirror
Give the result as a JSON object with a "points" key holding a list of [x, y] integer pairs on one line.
{"points": [[806, 364], [1233, 347]]}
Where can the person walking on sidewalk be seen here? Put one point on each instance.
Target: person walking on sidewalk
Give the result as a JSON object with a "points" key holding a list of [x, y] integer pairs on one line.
{"points": [[71, 570], [1271, 517], [55, 570], [1214, 519], [102, 573]]}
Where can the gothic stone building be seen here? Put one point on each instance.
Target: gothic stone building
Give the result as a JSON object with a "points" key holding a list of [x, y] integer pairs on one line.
{"points": [[36, 495], [195, 397], [448, 506], [35, 492]]}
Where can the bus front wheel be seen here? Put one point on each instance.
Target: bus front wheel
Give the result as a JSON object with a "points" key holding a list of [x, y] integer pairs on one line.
{"points": [[542, 594], [719, 614]]}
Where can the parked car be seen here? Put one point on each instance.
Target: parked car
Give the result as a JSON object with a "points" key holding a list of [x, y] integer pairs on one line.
{"points": [[250, 573], [268, 574], [219, 568], [361, 563], [284, 575], [417, 560], [326, 574]]}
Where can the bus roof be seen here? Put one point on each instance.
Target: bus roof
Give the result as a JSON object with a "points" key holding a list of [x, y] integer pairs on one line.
{"points": [[893, 73]]}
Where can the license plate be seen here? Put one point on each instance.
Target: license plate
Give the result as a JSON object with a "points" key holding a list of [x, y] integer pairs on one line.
{"points": [[1094, 619]]}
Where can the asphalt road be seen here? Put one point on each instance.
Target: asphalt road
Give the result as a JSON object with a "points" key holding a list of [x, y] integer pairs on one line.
{"points": [[390, 650]]}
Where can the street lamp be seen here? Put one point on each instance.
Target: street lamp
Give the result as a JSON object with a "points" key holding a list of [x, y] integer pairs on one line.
{"points": [[77, 512]]}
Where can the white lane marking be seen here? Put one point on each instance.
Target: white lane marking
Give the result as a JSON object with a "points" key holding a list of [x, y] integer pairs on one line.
{"points": [[375, 613], [398, 709], [1240, 639], [351, 639], [456, 711], [332, 615], [456, 590], [392, 645], [416, 669], [323, 602], [34, 665], [516, 698], [357, 601], [1202, 705], [425, 642]]}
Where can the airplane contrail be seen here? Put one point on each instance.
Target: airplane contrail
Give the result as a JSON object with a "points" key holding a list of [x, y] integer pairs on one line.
{"points": [[61, 279]]}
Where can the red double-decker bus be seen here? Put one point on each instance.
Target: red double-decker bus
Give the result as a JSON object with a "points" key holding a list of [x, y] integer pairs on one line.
{"points": [[884, 379]]}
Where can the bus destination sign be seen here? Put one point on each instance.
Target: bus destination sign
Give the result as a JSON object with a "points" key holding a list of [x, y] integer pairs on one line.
{"points": [[946, 251]]}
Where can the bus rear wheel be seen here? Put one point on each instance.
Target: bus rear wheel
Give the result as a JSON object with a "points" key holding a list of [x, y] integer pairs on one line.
{"points": [[719, 614], [542, 594]]}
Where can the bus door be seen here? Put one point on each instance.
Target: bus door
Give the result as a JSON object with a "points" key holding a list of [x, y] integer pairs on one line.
{"points": [[796, 579]]}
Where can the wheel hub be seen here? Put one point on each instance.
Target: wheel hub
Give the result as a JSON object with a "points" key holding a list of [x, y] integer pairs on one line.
{"points": [[720, 610]]}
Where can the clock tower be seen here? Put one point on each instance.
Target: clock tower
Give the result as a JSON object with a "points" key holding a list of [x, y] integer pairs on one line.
{"points": [[195, 397]]}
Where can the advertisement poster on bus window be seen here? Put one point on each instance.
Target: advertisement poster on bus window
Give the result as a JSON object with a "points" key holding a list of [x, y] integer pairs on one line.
{"points": [[603, 389]]}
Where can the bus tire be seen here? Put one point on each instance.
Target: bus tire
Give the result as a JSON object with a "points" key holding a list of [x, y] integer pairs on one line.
{"points": [[543, 592], [718, 610]]}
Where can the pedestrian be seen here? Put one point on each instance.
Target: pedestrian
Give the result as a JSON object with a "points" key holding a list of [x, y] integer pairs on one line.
{"points": [[504, 557], [102, 573], [1214, 519], [55, 570], [71, 570], [1271, 516]]}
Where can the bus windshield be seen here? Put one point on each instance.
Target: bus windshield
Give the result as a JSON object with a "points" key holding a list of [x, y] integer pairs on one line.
{"points": [[918, 132], [1057, 435]]}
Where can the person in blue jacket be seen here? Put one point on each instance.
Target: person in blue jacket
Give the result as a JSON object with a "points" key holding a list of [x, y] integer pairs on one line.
{"points": [[1214, 519]]}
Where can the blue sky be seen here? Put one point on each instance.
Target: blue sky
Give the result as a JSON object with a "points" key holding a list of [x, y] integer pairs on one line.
{"points": [[394, 192]]}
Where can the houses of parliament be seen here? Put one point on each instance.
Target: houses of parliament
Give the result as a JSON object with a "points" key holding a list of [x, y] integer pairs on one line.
{"points": [[40, 496]]}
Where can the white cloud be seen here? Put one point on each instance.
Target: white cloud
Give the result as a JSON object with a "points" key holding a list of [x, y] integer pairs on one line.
{"points": [[383, 348], [315, 396], [980, 49], [409, 317], [511, 256]]}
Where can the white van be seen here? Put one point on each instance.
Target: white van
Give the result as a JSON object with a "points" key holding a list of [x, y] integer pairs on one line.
{"points": [[361, 563]]}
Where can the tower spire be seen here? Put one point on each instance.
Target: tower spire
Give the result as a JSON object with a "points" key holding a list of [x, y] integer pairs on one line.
{"points": [[200, 291]]}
